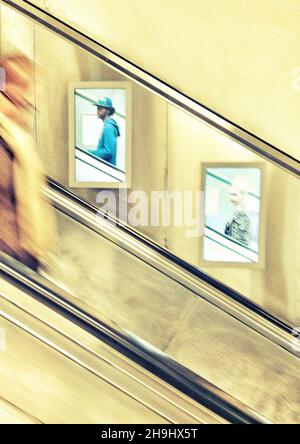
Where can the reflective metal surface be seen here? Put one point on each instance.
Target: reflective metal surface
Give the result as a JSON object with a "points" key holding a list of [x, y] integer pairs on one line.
{"points": [[17, 278], [10, 414], [69, 376], [144, 249], [188, 328], [148, 305]]}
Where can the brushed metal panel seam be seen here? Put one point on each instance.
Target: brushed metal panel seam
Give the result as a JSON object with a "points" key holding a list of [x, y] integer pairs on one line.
{"points": [[80, 362], [109, 356], [144, 253]]}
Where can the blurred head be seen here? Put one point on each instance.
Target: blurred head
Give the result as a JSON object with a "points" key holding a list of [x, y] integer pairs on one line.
{"points": [[104, 113], [238, 191], [19, 85], [105, 108]]}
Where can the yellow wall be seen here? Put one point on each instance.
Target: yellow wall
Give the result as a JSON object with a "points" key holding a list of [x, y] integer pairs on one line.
{"points": [[149, 117], [59, 63], [169, 147], [275, 286], [235, 56]]}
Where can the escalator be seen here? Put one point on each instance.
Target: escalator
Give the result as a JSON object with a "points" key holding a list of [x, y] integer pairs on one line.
{"points": [[180, 366], [59, 365], [185, 346], [97, 170]]}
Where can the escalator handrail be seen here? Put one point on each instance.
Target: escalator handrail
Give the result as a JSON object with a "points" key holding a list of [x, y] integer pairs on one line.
{"points": [[148, 357], [96, 168], [192, 270], [98, 159], [158, 86]]}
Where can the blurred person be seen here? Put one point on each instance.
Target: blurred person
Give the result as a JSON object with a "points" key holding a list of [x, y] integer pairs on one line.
{"points": [[238, 228], [27, 228], [107, 145]]}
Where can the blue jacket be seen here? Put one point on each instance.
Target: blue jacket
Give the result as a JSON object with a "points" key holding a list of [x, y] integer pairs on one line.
{"points": [[107, 146]]}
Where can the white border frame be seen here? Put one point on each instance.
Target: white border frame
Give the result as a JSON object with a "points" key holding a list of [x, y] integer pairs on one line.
{"points": [[73, 183], [262, 220]]}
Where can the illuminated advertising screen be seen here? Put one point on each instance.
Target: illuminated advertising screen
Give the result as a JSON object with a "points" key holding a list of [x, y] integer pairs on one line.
{"points": [[232, 226], [100, 134]]}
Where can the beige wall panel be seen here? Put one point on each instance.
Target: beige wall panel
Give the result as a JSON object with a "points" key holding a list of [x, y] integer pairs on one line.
{"points": [[62, 63], [17, 35], [275, 286], [235, 56], [241, 362]]}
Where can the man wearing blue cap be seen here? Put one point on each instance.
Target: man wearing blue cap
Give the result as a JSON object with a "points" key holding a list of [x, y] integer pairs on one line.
{"points": [[107, 145]]}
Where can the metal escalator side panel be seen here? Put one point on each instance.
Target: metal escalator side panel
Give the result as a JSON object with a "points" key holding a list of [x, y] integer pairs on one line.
{"points": [[97, 359], [193, 388]]}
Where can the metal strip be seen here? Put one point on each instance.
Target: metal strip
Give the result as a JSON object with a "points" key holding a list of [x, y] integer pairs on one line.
{"points": [[183, 405], [168, 370], [78, 361], [169, 93], [18, 411], [269, 326], [102, 161]]}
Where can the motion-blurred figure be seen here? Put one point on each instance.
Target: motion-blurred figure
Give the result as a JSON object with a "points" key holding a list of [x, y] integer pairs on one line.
{"points": [[107, 145], [239, 226], [27, 228]]}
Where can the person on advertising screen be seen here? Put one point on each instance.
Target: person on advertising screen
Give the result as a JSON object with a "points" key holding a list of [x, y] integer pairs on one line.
{"points": [[107, 145], [239, 226]]}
